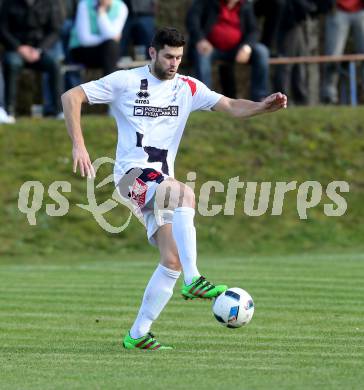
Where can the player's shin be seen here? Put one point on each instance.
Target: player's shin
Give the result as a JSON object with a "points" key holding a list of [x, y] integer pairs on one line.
{"points": [[184, 233], [157, 294]]}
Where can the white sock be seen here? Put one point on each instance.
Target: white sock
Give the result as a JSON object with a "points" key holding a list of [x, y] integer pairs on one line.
{"points": [[157, 294], [184, 233]]}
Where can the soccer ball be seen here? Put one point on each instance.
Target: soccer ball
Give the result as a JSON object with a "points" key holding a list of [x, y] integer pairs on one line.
{"points": [[233, 308]]}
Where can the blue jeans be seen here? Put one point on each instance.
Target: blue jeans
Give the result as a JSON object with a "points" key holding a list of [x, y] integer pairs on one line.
{"points": [[59, 51], [13, 63], [337, 28], [140, 29], [259, 70], [56, 52], [73, 78]]}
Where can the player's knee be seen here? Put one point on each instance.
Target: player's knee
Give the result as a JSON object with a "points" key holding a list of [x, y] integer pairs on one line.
{"points": [[182, 196], [188, 198], [171, 261], [172, 194]]}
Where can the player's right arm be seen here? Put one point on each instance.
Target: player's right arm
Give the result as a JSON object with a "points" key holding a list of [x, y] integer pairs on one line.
{"points": [[72, 101]]}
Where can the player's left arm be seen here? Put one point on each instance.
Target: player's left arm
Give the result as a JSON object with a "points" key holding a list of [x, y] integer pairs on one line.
{"points": [[246, 108]]}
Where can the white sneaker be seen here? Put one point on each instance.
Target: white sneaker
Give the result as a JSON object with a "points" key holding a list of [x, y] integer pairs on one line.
{"points": [[5, 118]]}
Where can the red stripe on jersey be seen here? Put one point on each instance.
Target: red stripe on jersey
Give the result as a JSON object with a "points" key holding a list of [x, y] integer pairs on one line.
{"points": [[191, 84]]}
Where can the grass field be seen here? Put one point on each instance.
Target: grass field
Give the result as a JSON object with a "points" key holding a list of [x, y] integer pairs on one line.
{"points": [[69, 291], [62, 321], [320, 144]]}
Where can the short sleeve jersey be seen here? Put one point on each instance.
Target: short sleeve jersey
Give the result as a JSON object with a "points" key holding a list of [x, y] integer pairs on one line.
{"points": [[151, 115]]}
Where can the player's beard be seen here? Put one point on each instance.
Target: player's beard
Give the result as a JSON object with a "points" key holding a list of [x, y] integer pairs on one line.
{"points": [[161, 73]]}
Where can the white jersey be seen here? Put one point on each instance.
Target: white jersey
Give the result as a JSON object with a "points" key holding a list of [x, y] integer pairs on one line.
{"points": [[151, 115]]}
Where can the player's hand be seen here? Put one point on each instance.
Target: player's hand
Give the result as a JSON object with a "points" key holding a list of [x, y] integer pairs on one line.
{"points": [[244, 54], [82, 160], [204, 47], [274, 102]]}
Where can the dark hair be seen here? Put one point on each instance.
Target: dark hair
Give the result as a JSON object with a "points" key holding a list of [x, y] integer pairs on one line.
{"points": [[167, 36]]}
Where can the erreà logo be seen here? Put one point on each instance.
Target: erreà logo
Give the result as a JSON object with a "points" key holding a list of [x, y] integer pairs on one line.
{"points": [[143, 93]]}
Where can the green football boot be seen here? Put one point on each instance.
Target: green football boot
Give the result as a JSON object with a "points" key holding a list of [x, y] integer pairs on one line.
{"points": [[201, 288], [147, 342]]}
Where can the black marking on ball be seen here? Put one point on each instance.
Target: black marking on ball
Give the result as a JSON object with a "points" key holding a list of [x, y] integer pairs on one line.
{"points": [[233, 295]]}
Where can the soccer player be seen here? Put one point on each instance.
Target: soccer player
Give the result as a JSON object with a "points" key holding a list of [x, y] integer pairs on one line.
{"points": [[151, 105]]}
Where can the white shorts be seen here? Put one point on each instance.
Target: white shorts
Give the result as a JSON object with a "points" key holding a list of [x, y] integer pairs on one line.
{"points": [[139, 196]]}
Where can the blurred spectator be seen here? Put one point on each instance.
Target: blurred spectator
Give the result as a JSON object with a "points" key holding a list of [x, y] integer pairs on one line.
{"points": [[70, 10], [27, 29], [57, 53], [4, 117], [293, 42], [73, 78], [60, 52], [226, 30], [346, 15], [271, 11], [140, 25], [95, 38]]}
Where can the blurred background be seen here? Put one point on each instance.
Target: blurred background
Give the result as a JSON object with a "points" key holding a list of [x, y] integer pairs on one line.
{"points": [[69, 289], [311, 50], [289, 41]]}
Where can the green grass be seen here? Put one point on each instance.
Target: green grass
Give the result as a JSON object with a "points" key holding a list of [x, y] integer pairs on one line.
{"points": [[320, 144], [62, 314], [61, 322]]}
